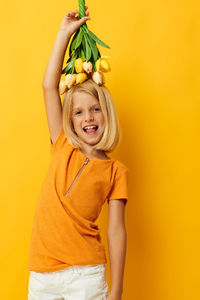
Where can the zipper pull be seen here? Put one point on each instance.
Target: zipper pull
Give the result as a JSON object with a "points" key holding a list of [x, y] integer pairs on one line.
{"points": [[86, 161]]}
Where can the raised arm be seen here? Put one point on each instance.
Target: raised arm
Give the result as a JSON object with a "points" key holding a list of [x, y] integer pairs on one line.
{"points": [[51, 79]]}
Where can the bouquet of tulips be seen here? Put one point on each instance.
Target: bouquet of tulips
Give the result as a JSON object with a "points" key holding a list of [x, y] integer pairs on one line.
{"points": [[85, 60]]}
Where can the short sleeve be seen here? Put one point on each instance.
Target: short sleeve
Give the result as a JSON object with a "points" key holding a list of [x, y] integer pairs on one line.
{"points": [[59, 142], [119, 189]]}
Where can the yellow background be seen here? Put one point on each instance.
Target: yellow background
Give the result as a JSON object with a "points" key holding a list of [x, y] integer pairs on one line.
{"points": [[155, 84]]}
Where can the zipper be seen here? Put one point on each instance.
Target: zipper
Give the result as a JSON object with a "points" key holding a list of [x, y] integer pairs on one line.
{"points": [[80, 171]]}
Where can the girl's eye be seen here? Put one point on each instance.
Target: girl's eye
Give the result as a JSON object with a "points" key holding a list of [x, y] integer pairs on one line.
{"points": [[96, 108]]}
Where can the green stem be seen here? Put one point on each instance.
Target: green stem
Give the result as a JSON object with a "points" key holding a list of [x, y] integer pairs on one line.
{"points": [[81, 4]]}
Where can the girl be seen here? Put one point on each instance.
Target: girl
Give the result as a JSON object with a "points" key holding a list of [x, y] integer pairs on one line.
{"points": [[66, 257]]}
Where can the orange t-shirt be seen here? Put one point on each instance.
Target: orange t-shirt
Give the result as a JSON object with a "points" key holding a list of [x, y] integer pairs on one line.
{"points": [[64, 232]]}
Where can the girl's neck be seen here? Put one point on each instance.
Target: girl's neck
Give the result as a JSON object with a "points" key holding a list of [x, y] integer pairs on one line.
{"points": [[90, 153]]}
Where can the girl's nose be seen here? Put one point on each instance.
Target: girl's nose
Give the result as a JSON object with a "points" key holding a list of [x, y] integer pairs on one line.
{"points": [[89, 117]]}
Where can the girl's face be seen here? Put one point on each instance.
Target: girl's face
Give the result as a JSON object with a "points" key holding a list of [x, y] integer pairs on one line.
{"points": [[86, 111]]}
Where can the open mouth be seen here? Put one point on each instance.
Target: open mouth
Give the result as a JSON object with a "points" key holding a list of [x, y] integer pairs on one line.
{"points": [[91, 129]]}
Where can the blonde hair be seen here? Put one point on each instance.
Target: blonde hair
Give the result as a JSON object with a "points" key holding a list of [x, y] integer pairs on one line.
{"points": [[112, 135]]}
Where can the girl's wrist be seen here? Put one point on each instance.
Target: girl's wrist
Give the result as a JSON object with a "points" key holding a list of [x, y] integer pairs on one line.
{"points": [[64, 33]]}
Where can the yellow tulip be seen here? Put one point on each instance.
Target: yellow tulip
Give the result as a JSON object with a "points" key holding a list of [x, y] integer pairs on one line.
{"points": [[98, 77], [70, 80], [79, 65], [102, 65], [81, 77], [87, 66], [62, 87]]}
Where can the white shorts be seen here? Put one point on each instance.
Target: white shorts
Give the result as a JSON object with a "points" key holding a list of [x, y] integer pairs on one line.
{"points": [[87, 282]]}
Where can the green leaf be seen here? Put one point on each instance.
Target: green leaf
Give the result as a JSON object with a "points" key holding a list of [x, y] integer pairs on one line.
{"points": [[68, 67], [73, 42], [84, 47], [82, 54], [83, 43], [87, 49], [93, 63], [92, 46], [94, 67], [79, 39], [70, 56], [96, 39], [72, 69]]}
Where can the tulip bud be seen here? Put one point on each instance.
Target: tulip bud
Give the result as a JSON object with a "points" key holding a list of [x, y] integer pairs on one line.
{"points": [[81, 77], [70, 80], [98, 77], [87, 66], [62, 87], [102, 65], [79, 65]]}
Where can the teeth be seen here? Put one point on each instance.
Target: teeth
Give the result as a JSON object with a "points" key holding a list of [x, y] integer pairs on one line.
{"points": [[89, 127]]}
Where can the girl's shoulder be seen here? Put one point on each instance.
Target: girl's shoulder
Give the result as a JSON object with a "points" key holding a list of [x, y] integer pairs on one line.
{"points": [[120, 165]]}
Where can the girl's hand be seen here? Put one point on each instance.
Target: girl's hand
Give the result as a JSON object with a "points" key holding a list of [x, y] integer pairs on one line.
{"points": [[71, 22]]}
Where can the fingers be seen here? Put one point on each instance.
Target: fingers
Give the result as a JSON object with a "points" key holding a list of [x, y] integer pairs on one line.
{"points": [[83, 20], [86, 12], [72, 13], [75, 11]]}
